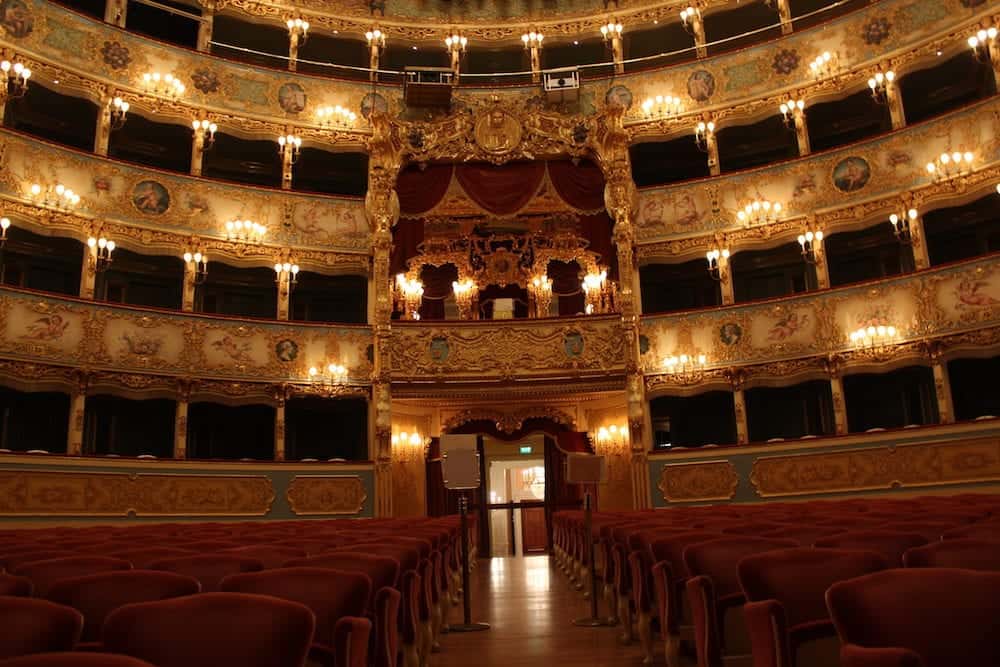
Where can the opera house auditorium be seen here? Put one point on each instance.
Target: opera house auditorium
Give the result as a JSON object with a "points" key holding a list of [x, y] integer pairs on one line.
{"points": [[499, 333]]}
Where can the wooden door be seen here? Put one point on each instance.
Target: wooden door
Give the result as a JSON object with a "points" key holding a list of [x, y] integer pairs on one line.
{"points": [[534, 533]]}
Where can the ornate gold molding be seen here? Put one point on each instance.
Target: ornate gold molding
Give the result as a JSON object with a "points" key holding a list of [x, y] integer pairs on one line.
{"points": [[45, 493], [932, 464], [698, 482], [509, 420], [326, 495]]}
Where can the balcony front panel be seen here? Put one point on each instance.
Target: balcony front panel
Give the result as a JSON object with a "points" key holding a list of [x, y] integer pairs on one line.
{"points": [[156, 201], [84, 334], [943, 302], [839, 187], [498, 351]]}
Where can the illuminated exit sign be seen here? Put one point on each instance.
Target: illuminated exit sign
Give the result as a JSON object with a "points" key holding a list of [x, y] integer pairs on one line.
{"points": [[525, 449]]}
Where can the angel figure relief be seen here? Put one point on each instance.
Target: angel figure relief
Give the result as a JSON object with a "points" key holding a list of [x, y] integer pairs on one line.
{"points": [[237, 350], [46, 328], [969, 294], [787, 326]]}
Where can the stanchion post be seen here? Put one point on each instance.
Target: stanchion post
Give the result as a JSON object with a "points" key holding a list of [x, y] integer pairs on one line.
{"points": [[592, 621], [467, 625]]}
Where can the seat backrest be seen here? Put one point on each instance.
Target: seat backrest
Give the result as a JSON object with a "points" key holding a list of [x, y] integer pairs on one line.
{"points": [[408, 557], [209, 546], [752, 528], [36, 626], [967, 554], [986, 530], [931, 530], [11, 585], [97, 595], [947, 616], [141, 558], [381, 570], [12, 561], [671, 549], [75, 659], [798, 578], [44, 573], [718, 559], [271, 555], [212, 629], [208, 569], [330, 594], [890, 543], [805, 535]]}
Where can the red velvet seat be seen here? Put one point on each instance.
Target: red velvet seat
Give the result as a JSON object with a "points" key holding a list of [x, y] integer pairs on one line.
{"points": [[13, 560], [270, 555], [142, 557], [44, 573], [30, 626], [97, 595], [933, 617], [966, 554], [890, 543], [75, 659], [208, 546], [208, 569], [212, 630], [337, 598], [11, 585], [786, 612], [713, 591], [804, 535], [986, 530], [930, 530]]}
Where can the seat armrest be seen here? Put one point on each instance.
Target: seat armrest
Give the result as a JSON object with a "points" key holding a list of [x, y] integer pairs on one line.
{"points": [[665, 589], [641, 580], [704, 613], [768, 629], [852, 655], [810, 631], [350, 641]]}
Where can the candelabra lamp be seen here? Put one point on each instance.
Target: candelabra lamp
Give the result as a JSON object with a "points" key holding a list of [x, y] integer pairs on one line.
{"points": [[15, 81], [101, 249], [197, 264], [811, 243], [901, 225], [718, 261], [466, 295], [540, 295], [408, 294]]}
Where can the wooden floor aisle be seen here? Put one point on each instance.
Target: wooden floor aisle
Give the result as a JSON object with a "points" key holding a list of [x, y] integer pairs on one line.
{"points": [[530, 606]]}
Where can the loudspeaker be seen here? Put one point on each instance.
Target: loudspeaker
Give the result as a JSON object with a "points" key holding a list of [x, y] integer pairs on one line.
{"points": [[586, 469], [460, 461]]}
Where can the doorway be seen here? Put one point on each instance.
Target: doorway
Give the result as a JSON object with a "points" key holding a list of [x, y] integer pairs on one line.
{"points": [[516, 506]]}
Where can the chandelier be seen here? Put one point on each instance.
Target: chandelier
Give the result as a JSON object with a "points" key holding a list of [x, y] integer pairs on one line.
{"points": [[58, 196], [101, 249], [824, 65], [163, 85], [759, 212], [197, 263], [662, 105], [247, 231], [811, 243], [949, 165], [338, 115], [17, 76], [466, 292], [901, 225], [407, 295], [717, 261], [598, 293], [686, 369], [540, 295]]}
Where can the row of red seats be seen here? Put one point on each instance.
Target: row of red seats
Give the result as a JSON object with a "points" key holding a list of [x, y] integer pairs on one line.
{"points": [[379, 591], [698, 572]]}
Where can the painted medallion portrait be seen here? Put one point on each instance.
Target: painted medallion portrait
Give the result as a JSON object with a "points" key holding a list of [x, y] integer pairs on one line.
{"points": [[373, 102], [16, 18], [619, 96], [730, 333], [701, 85], [439, 349], [292, 98], [286, 350], [573, 344], [150, 197], [851, 174]]}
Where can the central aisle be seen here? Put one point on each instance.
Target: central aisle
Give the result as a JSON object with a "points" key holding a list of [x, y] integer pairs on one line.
{"points": [[530, 606]]}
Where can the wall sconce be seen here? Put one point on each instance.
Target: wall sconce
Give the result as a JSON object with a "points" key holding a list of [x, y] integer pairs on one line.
{"points": [[101, 249], [466, 291], [298, 28], [662, 105], [598, 293], [58, 196], [980, 42], [456, 43], [4, 226], [613, 438], [163, 85], [375, 38], [792, 110], [611, 30], [207, 129], [407, 296], [759, 212], [286, 273], [329, 374], [901, 225], [17, 76], [873, 336], [717, 262], [532, 39], [824, 65], [338, 115], [880, 83], [245, 230], [689, 16], [702, 133], [540, 295], [687, 369], [119, 111], [949, 165], [198, 263], [812, 246], [290, 145], [410, 446]]}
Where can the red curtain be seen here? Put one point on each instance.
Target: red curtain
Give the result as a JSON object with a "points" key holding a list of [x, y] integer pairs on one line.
{"points": [[501, 190], [581, 185], [597, 230], [420, 190], [406, 236], [437, 282]]}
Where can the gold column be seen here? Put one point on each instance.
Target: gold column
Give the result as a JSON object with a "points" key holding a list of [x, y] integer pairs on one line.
{"points": [[284, 294], [618, 53], [918, 242], [785, 15], [382, 210], [88, 274], [535, 55], [834, 367], [698, 30], [102, 137], [188, 289], [77, 409], [712, 148], [114, 12], [456, 63], [726, 282], [895, 101], [287, 155], [181, 419], [822, 269], [994, 52], [198, 152], [205, 27], [293, 50], [280, 397], [737, 379], [942, 383], [801, 132], [374, 55]]}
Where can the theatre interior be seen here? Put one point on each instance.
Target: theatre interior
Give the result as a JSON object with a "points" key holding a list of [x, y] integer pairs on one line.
{"points": [[505, 333]]}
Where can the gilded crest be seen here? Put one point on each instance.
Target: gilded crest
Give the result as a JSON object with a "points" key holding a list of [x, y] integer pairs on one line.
{"points": [[498, 132]]}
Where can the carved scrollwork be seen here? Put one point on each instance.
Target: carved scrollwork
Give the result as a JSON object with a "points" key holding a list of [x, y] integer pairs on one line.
{"points": [[508, 421]]}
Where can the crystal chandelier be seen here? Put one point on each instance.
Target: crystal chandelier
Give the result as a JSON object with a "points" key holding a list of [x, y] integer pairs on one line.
{"points": [[598, 293], [408, 294]]}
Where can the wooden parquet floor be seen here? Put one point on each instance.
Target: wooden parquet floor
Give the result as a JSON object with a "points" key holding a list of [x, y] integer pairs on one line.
{"points": [[530, 607]]}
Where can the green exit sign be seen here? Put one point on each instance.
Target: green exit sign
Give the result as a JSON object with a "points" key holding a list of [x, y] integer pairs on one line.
{"points": [[525, 450]]}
